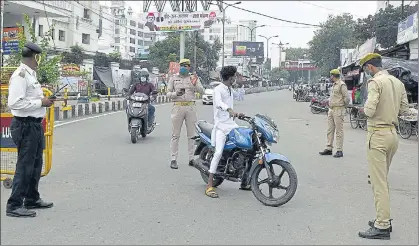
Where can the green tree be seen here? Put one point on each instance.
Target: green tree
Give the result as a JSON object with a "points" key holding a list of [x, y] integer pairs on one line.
{"points": [[335, 34], [48, 69], [294, 54], [267, 64], [383, 25], [167, 50], [75, 56], [101, 59], [115, 56]]}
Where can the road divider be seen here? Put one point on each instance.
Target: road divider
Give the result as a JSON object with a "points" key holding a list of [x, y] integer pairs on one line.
{"points": [[117, 104]]}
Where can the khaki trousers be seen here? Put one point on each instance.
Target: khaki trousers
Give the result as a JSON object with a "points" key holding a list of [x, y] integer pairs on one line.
{"points": [[335, 119], [381, 147], [180, 114]]}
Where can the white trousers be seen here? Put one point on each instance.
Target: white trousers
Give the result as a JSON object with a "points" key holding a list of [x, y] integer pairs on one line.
{"points": [[218, 139]]}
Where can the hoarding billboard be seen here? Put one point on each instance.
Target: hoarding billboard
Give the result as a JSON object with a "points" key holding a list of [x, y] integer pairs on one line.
{"points": [[408, 29], [172, 22], [252, 49], [10, 40]]}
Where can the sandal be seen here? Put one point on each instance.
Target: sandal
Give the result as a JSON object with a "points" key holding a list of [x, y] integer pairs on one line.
{"points": [[211, 192]]}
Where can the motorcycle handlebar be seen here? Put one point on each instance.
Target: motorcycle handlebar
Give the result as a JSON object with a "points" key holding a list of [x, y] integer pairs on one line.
{"points": [[245, 118]]}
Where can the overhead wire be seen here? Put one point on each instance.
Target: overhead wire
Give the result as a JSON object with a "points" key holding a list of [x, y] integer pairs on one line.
{"points": [[268, 16]]}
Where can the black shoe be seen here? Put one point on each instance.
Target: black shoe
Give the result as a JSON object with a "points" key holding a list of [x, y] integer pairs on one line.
{"points": [[338, 154], [191, 163], [375, 233], [326, 152], [173, 165], [40, 204], [20, 212], [372, 222]]}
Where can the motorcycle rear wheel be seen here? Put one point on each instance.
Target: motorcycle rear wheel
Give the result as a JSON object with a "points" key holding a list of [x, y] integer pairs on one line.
{"points": [[134, 136], [290, 190], [206, 157], [315, 110], [405, 129]]}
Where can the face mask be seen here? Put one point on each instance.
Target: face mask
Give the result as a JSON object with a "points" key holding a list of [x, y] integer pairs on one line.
{"points": [[183, 70], [367, 74], [143, 79]]}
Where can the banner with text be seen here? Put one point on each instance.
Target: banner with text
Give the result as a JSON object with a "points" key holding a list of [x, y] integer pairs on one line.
{"points": [[172, 22], [10, 40], [6, 140]]}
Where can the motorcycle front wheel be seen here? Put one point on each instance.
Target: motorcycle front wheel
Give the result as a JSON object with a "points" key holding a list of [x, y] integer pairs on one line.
{"points": [[257, 181], [206, 157], [134, 135]]}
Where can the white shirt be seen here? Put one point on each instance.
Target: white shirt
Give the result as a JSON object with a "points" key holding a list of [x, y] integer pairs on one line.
{"points": [[222, 100], [25, 93]]}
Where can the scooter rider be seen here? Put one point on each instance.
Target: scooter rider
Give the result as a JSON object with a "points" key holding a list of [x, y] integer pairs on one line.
{"points": [[144, 86]]}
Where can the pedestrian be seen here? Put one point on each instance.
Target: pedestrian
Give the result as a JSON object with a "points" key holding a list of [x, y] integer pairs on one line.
{"points": [[28, 106], [386, 100], [339, 99], [181, 89]]}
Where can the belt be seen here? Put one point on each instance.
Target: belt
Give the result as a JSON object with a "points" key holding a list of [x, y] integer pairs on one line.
{"points": [[184, 103], [338, 107], [29, 119], [383, 128]]}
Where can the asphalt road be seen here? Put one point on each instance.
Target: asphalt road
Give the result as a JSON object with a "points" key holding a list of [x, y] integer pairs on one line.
{"points": [[109, 191]]}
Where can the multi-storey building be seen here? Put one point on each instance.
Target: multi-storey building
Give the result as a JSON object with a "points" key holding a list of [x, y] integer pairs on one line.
{"points": [[131, 39], [86, 24], [232, 32]]}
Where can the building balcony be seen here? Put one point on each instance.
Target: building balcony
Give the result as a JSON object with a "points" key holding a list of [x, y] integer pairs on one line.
{"points": [[31, 8]]}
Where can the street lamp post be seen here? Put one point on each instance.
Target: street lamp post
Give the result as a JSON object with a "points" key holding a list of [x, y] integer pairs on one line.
{"points": [[280, 45], [267, 44], [251, 30], [224, 19]]}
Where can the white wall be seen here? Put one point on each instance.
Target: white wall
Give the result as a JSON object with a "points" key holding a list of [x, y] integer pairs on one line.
{"points": [[413, 46]]}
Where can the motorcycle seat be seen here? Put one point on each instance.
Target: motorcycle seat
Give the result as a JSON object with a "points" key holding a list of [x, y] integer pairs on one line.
{"points": [[206, 128]]}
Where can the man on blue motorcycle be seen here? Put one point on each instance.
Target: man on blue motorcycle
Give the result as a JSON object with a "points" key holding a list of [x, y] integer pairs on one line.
{"points": [[223, 120], [144, 86]]}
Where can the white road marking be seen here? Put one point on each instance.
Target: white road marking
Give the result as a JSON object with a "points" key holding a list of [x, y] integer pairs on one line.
{"points": [[93, 117]]}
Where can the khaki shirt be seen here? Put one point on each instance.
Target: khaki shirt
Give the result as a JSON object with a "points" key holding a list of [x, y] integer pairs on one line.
{"points": [[177, 82], [386, 100], [339, 96]]}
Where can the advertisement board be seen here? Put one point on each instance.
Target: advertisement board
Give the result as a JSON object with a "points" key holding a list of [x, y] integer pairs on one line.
{"points": [[408, 29], [172, 22], [174, 68], [252, 49], [10, 40], [6, 140]]}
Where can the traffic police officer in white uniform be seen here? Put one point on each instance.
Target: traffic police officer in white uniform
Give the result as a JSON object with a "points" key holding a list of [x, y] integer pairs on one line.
{"points": [[28, 106]]}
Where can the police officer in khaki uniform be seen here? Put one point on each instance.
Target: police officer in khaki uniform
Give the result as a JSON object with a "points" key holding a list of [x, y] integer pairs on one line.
{"points": [[386, 100], [339, 99], [181, 89], [28, 106]]}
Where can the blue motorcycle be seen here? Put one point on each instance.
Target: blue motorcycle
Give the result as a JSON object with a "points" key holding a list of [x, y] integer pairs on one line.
{"points": [[246, 157]]}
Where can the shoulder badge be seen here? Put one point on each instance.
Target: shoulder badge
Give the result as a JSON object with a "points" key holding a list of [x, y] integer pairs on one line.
{"points": [[22, 73]]}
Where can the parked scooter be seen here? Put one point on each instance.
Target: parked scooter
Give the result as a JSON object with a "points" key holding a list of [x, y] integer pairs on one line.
{"points": [[137, 115], [319, 104]]}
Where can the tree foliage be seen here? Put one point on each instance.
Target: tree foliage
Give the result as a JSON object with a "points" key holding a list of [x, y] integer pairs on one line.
{"points": [[75, 56], [343, 32], [383, 25], [294, 54], [277, 74], [167, 50], [48, 69], [336, 33]]}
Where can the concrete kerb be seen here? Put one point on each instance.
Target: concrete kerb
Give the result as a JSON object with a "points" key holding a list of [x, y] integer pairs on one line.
{"points": [[83, 109]]}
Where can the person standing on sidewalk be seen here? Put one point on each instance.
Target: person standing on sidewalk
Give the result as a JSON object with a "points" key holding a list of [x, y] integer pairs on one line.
{"points": [[386, 100], [28, 106], [339, 99], [181, 89]]}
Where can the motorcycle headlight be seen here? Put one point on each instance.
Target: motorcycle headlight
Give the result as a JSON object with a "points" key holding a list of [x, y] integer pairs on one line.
{"points": [[275, 133]]}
